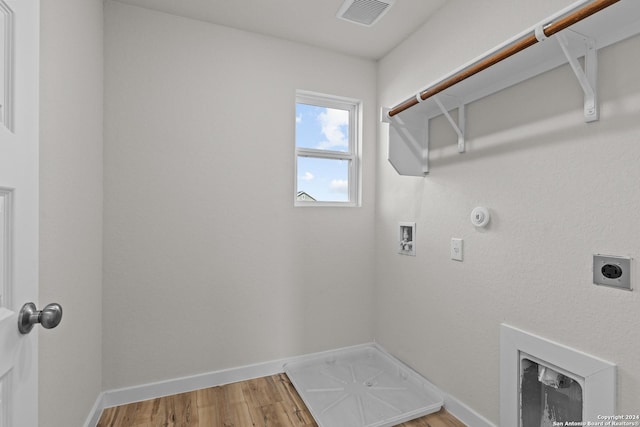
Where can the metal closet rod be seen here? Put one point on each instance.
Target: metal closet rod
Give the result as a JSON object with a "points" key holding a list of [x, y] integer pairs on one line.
{"points": [[527, 41]]}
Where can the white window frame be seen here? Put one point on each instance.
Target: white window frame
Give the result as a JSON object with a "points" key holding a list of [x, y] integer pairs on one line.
{"points": [[354, 107]]}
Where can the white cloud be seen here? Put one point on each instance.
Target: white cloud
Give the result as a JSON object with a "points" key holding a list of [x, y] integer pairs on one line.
{"points": [[339, 186], [308, 176], [299, 118], [334, 125]]}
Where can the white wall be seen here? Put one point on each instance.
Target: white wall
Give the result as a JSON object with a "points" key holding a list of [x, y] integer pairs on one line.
{"points": [[207, 263], [71, 99], [559, 191]]}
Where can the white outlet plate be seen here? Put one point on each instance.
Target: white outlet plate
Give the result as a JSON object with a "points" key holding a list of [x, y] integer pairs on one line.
{"points": [[599, 269], [456, 249]]}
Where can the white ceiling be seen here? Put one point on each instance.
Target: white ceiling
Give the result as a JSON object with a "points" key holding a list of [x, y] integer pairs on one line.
{"points": [[312, 22]]}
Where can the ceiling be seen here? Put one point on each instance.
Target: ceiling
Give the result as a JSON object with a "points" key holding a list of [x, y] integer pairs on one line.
{"points": [[312, 22]]}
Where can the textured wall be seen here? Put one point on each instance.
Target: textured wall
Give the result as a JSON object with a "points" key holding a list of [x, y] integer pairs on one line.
{"points": [[209, 266], [71, 208], [559, 191], [207, 263]]}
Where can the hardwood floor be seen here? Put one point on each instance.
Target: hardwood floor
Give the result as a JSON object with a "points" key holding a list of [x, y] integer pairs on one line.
{"points": [[262, 402]]}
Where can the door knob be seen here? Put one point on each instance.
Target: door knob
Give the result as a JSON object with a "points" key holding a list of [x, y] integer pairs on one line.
{"points": [[49, 317]]}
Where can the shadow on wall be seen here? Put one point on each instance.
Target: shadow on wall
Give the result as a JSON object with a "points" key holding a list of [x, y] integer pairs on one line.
{"points": [[545, 110]]}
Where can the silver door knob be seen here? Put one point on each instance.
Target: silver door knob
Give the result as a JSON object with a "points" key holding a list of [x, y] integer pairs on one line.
{"points": [[49, 317]]}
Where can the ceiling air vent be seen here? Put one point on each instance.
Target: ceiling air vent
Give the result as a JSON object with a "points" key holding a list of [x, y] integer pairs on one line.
{"points": [[364, 12]]}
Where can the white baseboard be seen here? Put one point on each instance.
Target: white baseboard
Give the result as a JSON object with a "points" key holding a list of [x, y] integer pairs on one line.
{"points": [[464, 413], [96, 411], [110, 398]]}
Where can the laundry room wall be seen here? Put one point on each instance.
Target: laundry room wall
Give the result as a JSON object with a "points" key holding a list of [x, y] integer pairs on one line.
{"points": [[558, 190], [71, 74], [208, 265]]}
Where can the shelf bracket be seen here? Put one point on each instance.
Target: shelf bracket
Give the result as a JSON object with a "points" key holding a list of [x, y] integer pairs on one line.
{"points": [[459, 127], [587, 76]]}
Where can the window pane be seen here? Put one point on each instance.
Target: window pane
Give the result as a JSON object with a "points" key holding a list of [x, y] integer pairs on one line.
{"points": [[323, 180], [322, 128]]}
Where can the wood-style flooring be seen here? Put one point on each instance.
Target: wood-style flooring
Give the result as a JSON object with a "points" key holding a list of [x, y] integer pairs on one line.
{"points": [[262, 402]]}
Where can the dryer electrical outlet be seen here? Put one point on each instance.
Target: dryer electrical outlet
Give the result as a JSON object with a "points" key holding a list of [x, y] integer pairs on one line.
{"points": [[614, 271]]}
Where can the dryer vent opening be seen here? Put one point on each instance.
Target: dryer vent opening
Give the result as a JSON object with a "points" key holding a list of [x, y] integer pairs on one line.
{"points": [[547, 397], [546, 384]]}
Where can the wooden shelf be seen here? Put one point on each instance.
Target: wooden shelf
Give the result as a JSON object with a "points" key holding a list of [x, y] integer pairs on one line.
{"points": [[409, 129]]}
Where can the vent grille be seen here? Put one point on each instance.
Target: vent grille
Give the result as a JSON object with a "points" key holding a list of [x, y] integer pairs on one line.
{"points": [[364, 12]]}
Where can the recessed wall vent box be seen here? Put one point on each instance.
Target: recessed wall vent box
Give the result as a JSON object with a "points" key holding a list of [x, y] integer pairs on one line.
{"points": [[364, 12]]}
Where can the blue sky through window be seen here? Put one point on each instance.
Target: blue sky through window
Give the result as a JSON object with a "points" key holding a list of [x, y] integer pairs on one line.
{"points": [[323, 128]]}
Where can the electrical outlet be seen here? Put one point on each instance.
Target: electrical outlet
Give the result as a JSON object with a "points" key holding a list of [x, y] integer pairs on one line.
{"points": [[614, 271]]}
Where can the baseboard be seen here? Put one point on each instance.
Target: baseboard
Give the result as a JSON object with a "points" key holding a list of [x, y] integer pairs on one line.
{"points": [[96, 411], [139, 393], [464, 413], [110, 398]]}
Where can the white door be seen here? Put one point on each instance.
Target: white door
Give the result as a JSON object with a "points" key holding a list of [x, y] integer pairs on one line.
{"points": [[19, 35]]}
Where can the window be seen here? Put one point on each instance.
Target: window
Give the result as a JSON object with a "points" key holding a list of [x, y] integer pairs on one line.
{"points": [[327, 142]]}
